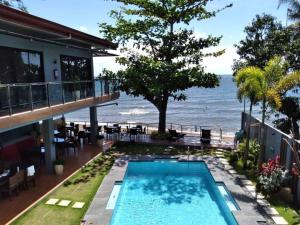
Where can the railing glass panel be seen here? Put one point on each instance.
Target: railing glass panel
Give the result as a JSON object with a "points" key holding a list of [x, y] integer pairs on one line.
{"points": [[4, 101], [16, 98]]}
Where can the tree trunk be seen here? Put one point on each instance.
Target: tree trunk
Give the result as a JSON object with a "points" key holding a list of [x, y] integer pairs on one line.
{"points": [[262, 136], [247, 138], [162, 119], [295, 129]]}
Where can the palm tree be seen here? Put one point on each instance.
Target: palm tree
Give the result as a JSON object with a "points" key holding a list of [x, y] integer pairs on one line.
{"points": [[290, 105], [293, 9], [248, 80], [272, 74], [293, 13], [262, 83]]}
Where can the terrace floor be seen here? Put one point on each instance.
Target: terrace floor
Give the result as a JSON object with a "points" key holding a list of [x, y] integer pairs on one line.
{"points": [[46, 182], [189, 140]]}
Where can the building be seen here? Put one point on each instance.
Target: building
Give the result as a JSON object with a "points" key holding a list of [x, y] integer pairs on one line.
{"points": [[46, 70]]}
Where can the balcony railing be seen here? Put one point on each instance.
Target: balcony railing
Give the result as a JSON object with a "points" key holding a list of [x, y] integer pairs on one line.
{"points": [[16, 98]]}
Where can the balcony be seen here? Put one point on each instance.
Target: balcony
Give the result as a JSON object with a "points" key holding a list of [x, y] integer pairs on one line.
{"points": [[22, 103]]}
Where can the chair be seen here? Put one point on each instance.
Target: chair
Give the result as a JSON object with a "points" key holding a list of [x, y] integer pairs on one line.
{"points": [[109, 132], [82, 135], [133, 131], [30, 176], [174, 136], [205, 136], [71, 142], [12, 185]]}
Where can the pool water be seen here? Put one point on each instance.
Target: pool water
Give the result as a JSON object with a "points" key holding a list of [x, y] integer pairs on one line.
{"points": [[170, 193]]}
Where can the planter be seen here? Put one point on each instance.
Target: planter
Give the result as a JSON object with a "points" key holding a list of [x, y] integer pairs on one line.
{"points": [[59, 169]]}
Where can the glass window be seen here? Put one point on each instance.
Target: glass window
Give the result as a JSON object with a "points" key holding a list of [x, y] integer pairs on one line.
{"points": [[20, 66], [75, 68]]}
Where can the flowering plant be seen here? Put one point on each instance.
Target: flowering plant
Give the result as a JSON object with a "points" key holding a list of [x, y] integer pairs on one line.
{"points": [[271, 176]]}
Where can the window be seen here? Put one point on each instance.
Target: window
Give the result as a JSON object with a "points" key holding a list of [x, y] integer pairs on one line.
{"points": [[75, 68], [20, 66]]}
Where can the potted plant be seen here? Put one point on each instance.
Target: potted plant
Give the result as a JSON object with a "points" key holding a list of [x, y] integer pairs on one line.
{"points": [[58, 167]]}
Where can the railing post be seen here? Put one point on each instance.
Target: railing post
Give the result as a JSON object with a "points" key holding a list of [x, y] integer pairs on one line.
{"points": [[30, 97], [181, 128], [171, 126], [74, 90], [101, 87], [221, 134], [48, 95], [9, 100], [63, 93], [94, 88]]}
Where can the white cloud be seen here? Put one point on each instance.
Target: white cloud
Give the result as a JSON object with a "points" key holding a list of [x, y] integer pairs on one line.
{"points": [[219, 65], [222, 64], [83, 28]]}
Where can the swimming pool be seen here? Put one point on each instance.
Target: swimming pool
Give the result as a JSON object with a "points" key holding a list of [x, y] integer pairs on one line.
{"points": [[168, 192]]}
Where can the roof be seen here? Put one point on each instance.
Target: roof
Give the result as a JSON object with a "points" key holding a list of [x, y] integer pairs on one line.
{"points": [[30, 22]]}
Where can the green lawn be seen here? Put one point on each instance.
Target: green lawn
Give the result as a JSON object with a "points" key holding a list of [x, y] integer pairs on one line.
{"points": [[285, 209], [81, 187]]}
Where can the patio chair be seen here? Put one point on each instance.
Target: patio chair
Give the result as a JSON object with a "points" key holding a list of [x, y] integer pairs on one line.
{"points": [[12, 185], [71, 142], [205, 136], [82, 135], [174, 136], [30, 176]]}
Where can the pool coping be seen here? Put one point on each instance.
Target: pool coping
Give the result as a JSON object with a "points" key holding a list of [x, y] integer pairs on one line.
{"points": [[249, 212]]}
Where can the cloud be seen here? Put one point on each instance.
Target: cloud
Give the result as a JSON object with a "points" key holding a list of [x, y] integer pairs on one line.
{"points": [[218, 65], [222, 64], [83, 28]]}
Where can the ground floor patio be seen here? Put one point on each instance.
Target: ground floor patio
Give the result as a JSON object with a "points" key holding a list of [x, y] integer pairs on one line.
{"points": [[45, 182]]}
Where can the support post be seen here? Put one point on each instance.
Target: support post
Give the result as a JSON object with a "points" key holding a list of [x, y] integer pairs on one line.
{"points": [[50, 152], [94, 124]]}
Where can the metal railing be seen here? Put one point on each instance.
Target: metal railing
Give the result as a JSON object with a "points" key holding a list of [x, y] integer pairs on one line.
{"points": [[189, 129], [22, 97]]}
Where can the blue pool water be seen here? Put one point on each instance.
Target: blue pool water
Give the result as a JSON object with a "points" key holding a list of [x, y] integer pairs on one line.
{"points": [[170, 193]]}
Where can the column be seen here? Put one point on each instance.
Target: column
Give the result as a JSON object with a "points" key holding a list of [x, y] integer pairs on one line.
{"points": [[94, 125], [50, 152]]}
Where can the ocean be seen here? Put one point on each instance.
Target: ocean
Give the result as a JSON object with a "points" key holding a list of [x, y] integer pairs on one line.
{"points": [[215, 108]]}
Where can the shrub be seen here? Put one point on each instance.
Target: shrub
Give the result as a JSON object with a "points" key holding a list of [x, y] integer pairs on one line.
{"points": [[233, 158], [254, 148], [271, 176]]}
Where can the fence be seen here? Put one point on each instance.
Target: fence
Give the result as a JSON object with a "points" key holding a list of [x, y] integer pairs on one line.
{"points": [[275, 143]]}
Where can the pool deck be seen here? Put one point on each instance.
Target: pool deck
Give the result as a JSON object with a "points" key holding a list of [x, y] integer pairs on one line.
{"points": [[250, 213]]}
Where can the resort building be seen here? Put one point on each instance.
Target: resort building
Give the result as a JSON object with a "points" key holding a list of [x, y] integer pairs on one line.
{"points": [[46, 70]]}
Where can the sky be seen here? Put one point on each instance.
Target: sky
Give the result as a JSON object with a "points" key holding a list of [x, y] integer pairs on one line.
{"points": [[230, 23]]}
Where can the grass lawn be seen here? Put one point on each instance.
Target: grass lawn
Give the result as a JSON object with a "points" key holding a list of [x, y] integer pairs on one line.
{"points": [[150, 149], [81, 187], [285, 209]]}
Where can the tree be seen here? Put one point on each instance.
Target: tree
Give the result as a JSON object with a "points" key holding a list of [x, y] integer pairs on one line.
{"points": [[290, 105], [293, 9], [18, 4], [248, 81], [167, 55], [265, 38], [273, 72]]}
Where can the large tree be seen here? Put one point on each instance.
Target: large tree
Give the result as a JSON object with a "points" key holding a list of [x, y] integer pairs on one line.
{"points": [[265, 38], [18, 4], [166, 55]]}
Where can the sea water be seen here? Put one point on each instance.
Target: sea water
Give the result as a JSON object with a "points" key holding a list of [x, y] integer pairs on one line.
{"points": [[215, 107]]}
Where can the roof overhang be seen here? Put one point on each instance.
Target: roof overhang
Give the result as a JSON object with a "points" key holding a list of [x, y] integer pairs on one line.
{"points": [[22, 23]]}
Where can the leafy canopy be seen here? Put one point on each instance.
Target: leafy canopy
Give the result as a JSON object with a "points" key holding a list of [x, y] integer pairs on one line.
{"points": [[18, 4], [165, 56], [265, 38]]}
